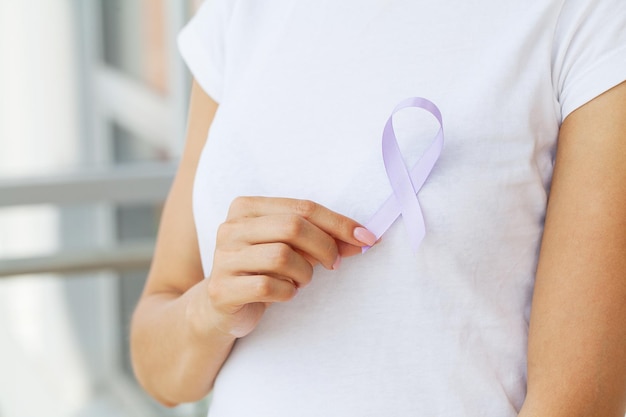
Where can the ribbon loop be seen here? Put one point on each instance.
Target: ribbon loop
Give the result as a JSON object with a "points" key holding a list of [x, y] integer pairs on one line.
{"points": [[404, 183]]}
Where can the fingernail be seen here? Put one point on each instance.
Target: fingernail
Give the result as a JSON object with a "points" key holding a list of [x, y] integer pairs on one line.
{"points": [[337, 262], [364, 236]]}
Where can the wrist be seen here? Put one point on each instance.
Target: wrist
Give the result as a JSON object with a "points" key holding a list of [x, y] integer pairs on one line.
{"points": [[202, 318]]}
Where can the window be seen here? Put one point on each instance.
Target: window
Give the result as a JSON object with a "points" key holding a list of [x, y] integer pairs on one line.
{"points": [[92, 119]]}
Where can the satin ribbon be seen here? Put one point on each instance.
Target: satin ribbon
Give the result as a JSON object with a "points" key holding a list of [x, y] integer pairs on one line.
{"points": [[404, 183]]}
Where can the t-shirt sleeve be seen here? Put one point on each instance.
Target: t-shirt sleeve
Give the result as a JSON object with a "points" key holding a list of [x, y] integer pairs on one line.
{"points": [[589, 55], [201, 45]]}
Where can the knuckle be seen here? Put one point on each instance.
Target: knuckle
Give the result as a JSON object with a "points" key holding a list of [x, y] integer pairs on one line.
{"points": [[280, 255], [263, 287], [230, 231], [289, 295], [305, 208], [307, 276], [239, 205], [224, 262], [293, 227], [223, 231]]}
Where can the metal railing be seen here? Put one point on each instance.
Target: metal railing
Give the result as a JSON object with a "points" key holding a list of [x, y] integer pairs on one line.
{"points": [[133, 184], [118, 258], [136, 183]]}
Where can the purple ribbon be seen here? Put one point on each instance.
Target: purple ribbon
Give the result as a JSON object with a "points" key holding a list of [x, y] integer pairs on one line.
{"points": [[404, 183]]}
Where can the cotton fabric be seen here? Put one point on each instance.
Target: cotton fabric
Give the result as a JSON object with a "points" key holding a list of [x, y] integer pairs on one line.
{"points": [[305, 88]]}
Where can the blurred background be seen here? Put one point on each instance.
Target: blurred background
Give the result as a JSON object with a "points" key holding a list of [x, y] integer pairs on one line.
{"points": [[93, 98]]}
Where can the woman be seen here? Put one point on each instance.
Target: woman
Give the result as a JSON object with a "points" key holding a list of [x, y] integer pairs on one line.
{"points": [[292, 171]]}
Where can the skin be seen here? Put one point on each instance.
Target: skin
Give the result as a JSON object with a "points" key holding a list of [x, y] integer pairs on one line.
{"points": [[577, 339], [184, 326]]}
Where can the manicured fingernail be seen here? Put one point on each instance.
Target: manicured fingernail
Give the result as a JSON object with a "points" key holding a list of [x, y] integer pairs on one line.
{"points": [[364, 236], [337, 262]]}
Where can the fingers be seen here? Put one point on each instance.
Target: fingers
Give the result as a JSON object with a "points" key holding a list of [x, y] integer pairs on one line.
{"points": [[266, 250], [285, 228], [336, 225], [231, 294], [273, 259]]}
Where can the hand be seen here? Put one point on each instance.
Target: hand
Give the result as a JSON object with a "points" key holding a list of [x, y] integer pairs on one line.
{"points": [[266, 250]]}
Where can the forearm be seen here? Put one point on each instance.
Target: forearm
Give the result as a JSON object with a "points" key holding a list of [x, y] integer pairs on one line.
{"points": [[176, 359], [577, 340], [576, 363]]}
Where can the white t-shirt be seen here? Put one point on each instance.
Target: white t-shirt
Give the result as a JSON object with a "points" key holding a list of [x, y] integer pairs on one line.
{"points": [[305, 88]]}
